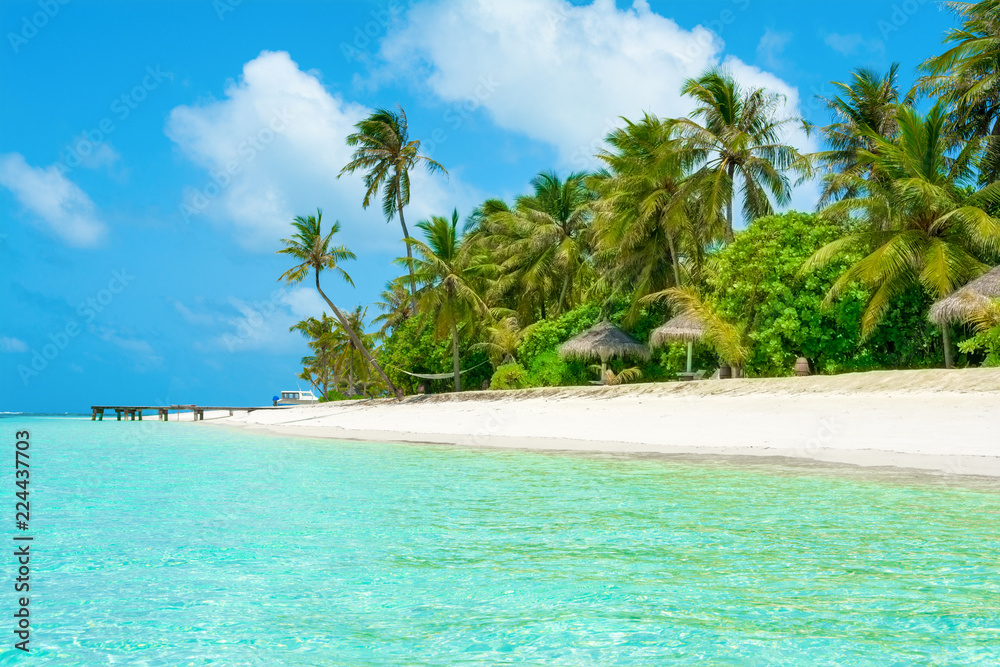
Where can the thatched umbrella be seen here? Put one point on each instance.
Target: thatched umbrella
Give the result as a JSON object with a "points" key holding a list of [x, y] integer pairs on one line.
{"points": [[683, 328], [604, 341], [960, 304]]}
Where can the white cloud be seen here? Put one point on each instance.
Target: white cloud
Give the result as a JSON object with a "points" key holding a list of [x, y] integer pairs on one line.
{"points": [[853, 43], [12, 345], [262, 325], [565, 74], [771, 47], [141, 353], [65, 209], [557, 73], [272, 149]]}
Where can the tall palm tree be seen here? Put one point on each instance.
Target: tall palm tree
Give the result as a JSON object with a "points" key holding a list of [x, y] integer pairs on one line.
{"points": [[383, 149], [967, 76], [866, 107], [647, 224], [542, 244], [739, 137], [447, 272], [316, 253], [920, 225]]}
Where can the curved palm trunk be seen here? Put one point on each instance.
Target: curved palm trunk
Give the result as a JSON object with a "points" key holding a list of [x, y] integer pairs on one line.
{"points": [[455, 363], [730, 235], [946, 340], [350, 377], [357, 342], [409, 254], [674, 261]]}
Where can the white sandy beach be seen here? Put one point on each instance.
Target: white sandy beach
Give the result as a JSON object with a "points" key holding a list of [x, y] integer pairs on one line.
{"points": [[933, 420]]}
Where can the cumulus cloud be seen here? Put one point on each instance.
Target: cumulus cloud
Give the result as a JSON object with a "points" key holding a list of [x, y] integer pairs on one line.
{"points": [[63, 208], [559, 73], [564, 74], [272, 149]]}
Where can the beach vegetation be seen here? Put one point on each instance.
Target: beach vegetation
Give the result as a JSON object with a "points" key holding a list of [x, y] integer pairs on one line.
{"points": [[316, 253], [908, 212], [509, 376]]}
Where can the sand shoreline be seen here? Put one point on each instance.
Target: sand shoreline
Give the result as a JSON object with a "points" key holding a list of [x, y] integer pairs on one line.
{"points": [[941, 421]]}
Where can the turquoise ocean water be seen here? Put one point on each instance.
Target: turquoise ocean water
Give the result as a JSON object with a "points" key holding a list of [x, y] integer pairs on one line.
{"points": [[186, 544]]}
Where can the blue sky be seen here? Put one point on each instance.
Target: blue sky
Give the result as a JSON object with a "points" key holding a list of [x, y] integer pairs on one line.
{"points": [[154, 152]]}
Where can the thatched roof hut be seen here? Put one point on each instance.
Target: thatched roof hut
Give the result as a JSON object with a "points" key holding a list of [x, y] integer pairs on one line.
{"points": [[603, 341], [683, 328], [957, 306]]}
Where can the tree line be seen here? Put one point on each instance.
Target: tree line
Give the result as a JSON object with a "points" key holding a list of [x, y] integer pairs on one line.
{"points": [[907, 214]]}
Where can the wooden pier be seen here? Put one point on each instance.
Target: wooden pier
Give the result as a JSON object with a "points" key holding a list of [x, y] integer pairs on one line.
{"points": [[163, 411]]}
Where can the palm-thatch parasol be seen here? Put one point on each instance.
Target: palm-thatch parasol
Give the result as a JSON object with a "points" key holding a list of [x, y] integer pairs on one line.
{"points": [[685, 328], [604, 341], [961, 303]]}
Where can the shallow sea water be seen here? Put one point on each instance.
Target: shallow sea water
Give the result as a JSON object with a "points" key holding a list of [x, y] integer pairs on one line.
{"points": [[185, 544]]}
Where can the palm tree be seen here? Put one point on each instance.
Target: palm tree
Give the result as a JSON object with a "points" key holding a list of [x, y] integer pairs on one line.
{"points": [[866, 107], [503, 337], [729, 340], [541, 244], [348, 358], [395, 306], [383, 149], [647, 224], [321, 341], [315, 253], [740, 136], [920, 225], [447, 271], [967, 76]]}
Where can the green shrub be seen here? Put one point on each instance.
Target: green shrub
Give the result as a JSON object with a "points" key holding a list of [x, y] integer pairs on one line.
{"points": [[509, 376], [334, 395], [548, 369], [985, 341], [757, 282], [547, 335]]}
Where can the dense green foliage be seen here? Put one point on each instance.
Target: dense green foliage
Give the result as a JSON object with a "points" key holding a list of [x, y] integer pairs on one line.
{"points": [[509, 376], [757, 281]]}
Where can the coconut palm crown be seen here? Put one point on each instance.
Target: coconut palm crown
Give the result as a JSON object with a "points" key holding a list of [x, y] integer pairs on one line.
{"points": [[919, 225], [384, 150], [316, 252]]}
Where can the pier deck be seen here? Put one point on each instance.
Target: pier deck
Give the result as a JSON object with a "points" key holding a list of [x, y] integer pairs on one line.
{"points": [[163, 411]]}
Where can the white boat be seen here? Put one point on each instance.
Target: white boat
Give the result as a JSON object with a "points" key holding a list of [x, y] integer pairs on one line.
{"points": [[297, 397]]}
